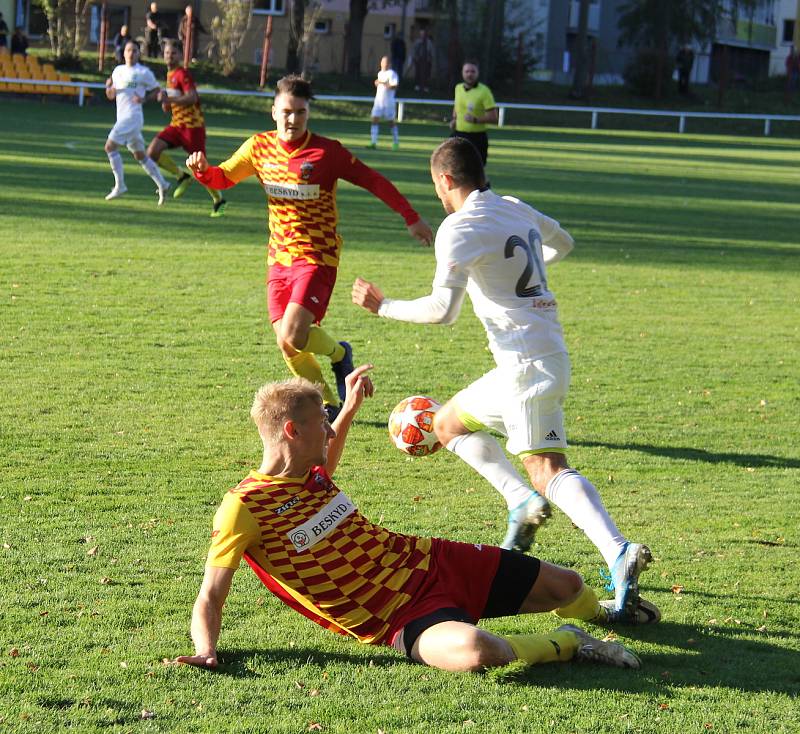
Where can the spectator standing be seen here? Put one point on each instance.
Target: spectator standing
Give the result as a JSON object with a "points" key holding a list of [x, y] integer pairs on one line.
{"points": [[3, 32], [197, 27], [19, 42], [422, 56], [120, 40], [152, 40], [684, 62], [397, 51], [383, 107]]}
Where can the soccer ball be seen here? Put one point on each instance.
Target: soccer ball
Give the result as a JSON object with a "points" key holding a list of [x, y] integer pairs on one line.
{"points": [[411, 426]]}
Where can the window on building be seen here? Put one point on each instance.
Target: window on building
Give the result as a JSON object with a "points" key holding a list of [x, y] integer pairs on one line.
{"points": [[323, 26], [788, 30], [269, 7], [32, 18], [389, 30], [118, 16]]}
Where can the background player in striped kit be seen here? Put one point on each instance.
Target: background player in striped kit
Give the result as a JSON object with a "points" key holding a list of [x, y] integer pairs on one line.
{"points": [[299, 172]]}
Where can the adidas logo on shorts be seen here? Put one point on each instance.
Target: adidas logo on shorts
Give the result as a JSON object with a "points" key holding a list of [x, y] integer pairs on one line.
{"points": [[552, 436]]}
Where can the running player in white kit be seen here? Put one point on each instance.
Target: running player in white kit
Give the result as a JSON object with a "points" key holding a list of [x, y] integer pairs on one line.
{"points": [[383, 106], [130, 84], [495, 248]]}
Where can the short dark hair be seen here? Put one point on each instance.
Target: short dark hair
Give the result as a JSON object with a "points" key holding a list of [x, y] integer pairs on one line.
{"points": [[459, 159], [173, 43], [471, 62], [295, 86]]}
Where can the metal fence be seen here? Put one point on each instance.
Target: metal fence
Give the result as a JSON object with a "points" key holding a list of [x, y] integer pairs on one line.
{"points": [[503, 107]]}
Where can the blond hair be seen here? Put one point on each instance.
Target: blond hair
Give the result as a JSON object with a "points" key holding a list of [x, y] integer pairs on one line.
{"points": [[277, 402]]}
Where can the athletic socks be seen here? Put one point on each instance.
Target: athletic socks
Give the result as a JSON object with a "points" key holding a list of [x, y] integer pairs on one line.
{"points": [[486, 457], [115, 159], [558, 646], [321, 342], [153, 172], [304, 364], [214, 194], [373, 134], [166, 162], [577, 497], [586, 607]]}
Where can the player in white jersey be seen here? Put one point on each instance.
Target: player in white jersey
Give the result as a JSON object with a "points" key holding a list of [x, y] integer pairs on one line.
{"points": [[130, 84], [383, 106], [495, 248]]}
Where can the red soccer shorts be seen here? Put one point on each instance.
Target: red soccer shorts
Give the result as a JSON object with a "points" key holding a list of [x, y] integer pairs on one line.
{"points": [[304, 283], [191, 139], [460, 577]]}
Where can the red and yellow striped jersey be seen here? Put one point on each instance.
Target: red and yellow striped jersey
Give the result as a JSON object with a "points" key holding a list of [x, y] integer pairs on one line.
{"points": [[180, 82], [311, 547], [300, 181]]}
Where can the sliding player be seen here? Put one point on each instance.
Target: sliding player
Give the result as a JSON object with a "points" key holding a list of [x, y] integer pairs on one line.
{"points": [[299, 172], [494, 248], [186, 129], [130, 84]]}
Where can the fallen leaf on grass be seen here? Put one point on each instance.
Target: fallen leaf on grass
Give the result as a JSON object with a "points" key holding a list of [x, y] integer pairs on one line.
{"points": [[106, 581], [146, 715], [27, 498], [762, 628], [14, 652], [93, 550], [6, 546], [123, 664], [677, 589], [313, 692], [663, 707], [314, 726]]}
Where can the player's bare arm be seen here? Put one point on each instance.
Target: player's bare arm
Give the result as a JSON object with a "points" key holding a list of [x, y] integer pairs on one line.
{"points": [[207, 617], [359, 386], [111, 93], [367, 295], [421, 231], [197, 163]]}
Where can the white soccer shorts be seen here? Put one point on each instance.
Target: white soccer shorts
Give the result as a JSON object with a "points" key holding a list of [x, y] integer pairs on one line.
{"points": [[523, 402], [384, 111], [128, 133]]}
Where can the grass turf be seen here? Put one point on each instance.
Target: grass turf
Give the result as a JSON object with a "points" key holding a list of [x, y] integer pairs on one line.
{"points": [[133, 339]]}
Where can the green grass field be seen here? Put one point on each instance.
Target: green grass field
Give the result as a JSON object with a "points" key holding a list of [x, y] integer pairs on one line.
{"points": [[133, 339]]}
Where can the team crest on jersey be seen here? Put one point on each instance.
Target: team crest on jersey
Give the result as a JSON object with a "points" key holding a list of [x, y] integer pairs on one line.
{"points": [[299, 539], [306, 170]]}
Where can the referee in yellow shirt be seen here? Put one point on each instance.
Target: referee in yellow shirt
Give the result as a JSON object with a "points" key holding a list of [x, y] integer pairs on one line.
{"points": [[473, 110]]}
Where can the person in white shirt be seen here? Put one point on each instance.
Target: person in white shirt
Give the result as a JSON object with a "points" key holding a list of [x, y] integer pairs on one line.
{"points": [[494, 249], [130, 84], [383, 106]]}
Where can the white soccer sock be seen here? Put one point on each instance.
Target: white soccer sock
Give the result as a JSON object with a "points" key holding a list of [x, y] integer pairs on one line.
{"points": [[578, 498], [487, 458], [373, 134], [115, 159], [395, 134], [150, 166]]}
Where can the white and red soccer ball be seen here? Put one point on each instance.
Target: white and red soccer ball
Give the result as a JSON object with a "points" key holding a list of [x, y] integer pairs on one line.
{"points": [[411, 426]]}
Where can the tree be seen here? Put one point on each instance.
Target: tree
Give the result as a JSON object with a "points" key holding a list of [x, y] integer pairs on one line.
{"points": [[296, 17], [66, 26], [228, 30], [578, 90], [355, 33], [657, 27]]}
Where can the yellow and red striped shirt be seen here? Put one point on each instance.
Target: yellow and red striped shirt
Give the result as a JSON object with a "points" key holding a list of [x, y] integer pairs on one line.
{"points": [[180, 82], [300, 181], [313, 549]]}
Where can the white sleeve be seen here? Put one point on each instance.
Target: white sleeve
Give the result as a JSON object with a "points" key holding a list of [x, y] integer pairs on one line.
{"points": [[442, 306], [557, 243], [150, 82]]}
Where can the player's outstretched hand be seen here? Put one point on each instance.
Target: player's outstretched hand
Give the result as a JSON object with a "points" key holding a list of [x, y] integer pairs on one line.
{"points": [[359, 386], [197, 163], [367, 295], [199, 661], [421, 231]]}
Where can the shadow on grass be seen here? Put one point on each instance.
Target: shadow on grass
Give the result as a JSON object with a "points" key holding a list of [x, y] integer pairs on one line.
{"points": [[698, 657], [244, 663], [693, 454]]}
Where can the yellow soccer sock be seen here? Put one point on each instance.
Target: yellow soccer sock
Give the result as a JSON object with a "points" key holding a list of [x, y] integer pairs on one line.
{"points": [[321, 342], [214, 194], [165, 162], [558, 646], [304, 364], [585, 607]]}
